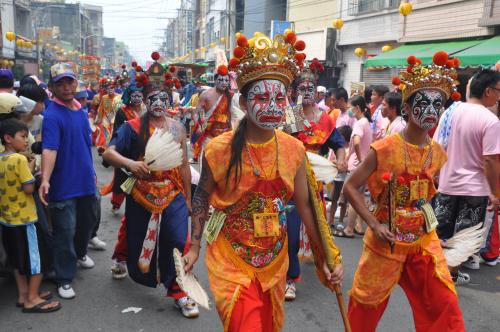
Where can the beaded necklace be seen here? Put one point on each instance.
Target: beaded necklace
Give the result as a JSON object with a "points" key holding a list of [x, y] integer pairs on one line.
{"points": [[255, 170]]}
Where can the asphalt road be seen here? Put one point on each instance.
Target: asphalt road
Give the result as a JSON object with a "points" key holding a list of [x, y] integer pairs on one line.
{"points": [[100, 299]]}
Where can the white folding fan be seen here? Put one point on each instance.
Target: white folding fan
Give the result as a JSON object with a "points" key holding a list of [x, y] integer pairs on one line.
{"points": [[464, 244], [324, 170]]}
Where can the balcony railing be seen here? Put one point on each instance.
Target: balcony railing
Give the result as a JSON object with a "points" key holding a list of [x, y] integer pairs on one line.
{"points": [[358, 7]]}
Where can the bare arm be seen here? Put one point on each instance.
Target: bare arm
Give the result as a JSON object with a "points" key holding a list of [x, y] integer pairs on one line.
{"points": [[28, 188], [304, 208], [199, 215], [115, 159], [341, 160], [185, 169], [357, 147], [48, 163], [491, 171], [356, 199]]}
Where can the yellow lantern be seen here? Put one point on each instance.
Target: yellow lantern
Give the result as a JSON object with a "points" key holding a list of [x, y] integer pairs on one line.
{"points": [[222, 40], [10, 36], [47, 45], [360, 51], [203, 49], [338, 23], [11, 63], [196, 50], [28, 44], [386, 48], [287, 31], [238, 35], [405, 8], [20, 43], [212, 45]]}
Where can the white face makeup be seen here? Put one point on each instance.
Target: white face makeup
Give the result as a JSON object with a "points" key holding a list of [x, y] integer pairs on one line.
{"points": [[110, 90], [136, 98], [222, 82], [157, 103], [426, 107], [306, 90], [266, 103]]}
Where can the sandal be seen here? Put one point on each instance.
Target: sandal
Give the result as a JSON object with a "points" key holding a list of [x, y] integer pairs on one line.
{"points": [[47, 295], [359, 232], [39, 308], [339, 231]]}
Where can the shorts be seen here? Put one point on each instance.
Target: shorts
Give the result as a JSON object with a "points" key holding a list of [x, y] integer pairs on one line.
{"points": [[337, 190], [23, 245], [455, 213]]}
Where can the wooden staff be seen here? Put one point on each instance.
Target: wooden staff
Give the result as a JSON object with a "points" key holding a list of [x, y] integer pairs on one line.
{"points": [[343, 312]]}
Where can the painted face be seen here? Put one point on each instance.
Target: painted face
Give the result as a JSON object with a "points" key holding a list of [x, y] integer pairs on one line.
{"points": [[157, 103], [135, 98], [426, 107], [222, 82], [306, 90], [110, 90], [266, 103]]}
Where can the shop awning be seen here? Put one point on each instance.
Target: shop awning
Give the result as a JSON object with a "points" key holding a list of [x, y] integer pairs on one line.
{"points": [[486, 54], [397, 57]]}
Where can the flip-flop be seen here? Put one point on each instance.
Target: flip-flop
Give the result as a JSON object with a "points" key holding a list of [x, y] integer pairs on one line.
{"points": [[341, 233], [38, 309], [359, 233], [47, 295]]}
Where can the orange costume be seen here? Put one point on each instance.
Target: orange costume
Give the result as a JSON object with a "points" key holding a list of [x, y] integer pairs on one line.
{"points": [[106, 114], [217, 121], [417, 262], [239, 263]]}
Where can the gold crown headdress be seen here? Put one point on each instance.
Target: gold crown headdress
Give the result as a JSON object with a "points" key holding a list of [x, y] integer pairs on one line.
{"points": [[262, 58], [440, 75]]}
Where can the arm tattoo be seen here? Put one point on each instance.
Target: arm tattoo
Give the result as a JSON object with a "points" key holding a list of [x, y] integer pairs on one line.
{"points": [[200, 205]]}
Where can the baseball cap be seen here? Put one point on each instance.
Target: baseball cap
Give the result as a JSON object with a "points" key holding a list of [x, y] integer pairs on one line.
{"points": [[81, 91], [28, 104], [321, 88], [10, 103], [61, 70], [4, 72]]}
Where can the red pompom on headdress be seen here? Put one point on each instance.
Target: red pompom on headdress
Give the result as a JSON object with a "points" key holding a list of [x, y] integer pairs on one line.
{"points": [[233, 62], [222, 70], [168, 75], [124, 66], [242, 41], [239, 52], [386, 177], [172, 69], [155, 56], [291, 38], [178, 85], [440, 58], [316, 66], [134, 64], [396, 81], [412, 60], [138, 68], [456, 96], [300, 56], [300, 45]]}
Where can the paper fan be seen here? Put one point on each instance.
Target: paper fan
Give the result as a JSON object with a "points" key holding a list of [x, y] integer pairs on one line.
{"points": [[464, 244], [188, 282], [162, 151], [324, 170]]}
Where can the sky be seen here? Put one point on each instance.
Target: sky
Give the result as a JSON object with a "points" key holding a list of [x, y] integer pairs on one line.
{"points": [[138, 23]]}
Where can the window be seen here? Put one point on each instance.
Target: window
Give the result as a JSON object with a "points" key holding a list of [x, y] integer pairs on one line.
{"points": [[357, 7]]}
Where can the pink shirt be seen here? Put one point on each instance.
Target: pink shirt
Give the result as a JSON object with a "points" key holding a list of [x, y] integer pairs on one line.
{"points": [[475, 132], [379, 124], [395, 126], [345, 120], [362, 129]]}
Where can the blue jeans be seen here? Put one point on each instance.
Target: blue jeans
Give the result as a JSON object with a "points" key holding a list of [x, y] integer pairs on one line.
{"points": [[293, 230], [72, 223]]}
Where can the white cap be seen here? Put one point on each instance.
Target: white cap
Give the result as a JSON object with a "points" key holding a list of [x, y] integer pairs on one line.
{"points": [[28, 104], [321, 88], [10, 103]]}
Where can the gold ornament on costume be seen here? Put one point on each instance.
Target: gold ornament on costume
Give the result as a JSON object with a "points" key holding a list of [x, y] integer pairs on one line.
{"points": [[264, 58], [440, 75]]}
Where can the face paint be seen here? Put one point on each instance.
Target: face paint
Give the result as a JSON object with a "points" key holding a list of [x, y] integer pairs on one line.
{"points": [[157, 103], [425, 108], [306, 90], [266, 103], [110, 90], [222, 82], [136, 98]]}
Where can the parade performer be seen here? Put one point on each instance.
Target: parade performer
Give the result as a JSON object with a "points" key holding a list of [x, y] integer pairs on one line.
{"points": [[106, 115], [214, 111], [248, 176], [318, 134], [401, 245], [157, 209]]}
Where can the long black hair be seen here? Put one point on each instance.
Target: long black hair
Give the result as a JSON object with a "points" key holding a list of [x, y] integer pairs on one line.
{"points": [[360, 102], [237, 144], [144, 133]]}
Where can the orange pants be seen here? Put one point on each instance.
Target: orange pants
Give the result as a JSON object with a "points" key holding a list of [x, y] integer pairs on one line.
{"points": [[435, 307], [253, 311]]}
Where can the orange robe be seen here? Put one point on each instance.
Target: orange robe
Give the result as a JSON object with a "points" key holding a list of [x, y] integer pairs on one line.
{"points": [[106, 113], [218, 123], [417, 257], [240, 265]]}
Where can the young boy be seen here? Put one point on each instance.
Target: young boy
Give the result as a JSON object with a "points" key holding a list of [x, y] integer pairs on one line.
{"points": [[345, 131], [18, 217]]}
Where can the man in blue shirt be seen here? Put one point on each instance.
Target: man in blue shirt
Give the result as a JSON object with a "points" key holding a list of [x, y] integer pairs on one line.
{"points": [[68, 184]]}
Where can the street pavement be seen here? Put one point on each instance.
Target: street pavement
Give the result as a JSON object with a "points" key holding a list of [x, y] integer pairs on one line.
{"points": [[100, 299]]}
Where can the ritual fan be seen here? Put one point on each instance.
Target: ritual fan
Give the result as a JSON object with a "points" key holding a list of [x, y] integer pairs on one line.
{"points": [[188, 282], [464, 244], [324, 170], [162, 153]]}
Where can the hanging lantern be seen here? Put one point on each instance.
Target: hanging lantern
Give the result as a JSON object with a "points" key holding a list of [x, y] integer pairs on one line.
{"points": [[287, 31], [11, 63], [338, 23], [20, 43], [28, 44], [212, 45], [386, 48], [203, 49], [222, 40], [10, 36], [405, 8], [360, 52]]}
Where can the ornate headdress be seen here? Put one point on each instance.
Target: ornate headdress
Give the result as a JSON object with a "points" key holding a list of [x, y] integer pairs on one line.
{"points": [[157, 77], [440, 75], [105, 81], [311, 72], [264, 58]]}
